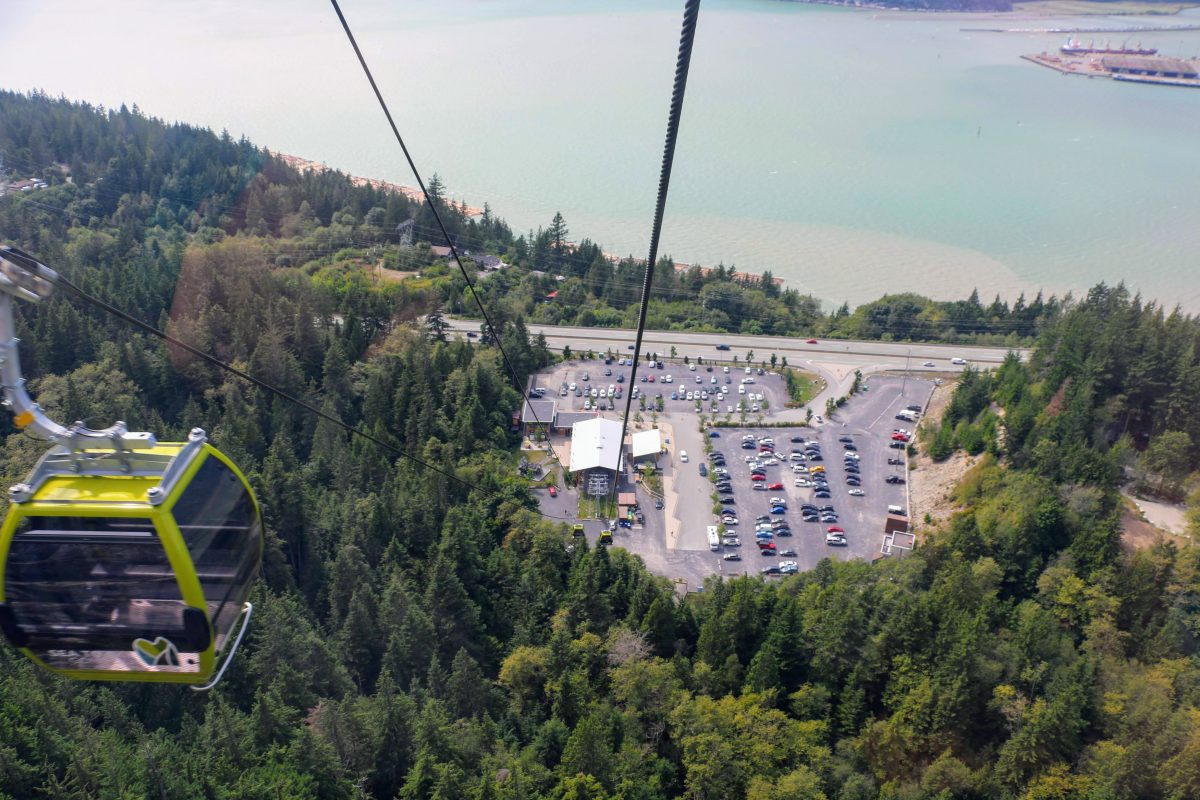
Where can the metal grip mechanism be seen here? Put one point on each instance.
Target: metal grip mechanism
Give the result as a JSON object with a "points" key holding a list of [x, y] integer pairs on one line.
{"points": [[23, 276]]}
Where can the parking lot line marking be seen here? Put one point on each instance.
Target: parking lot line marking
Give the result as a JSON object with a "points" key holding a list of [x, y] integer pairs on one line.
{"points": [[886, 409]]}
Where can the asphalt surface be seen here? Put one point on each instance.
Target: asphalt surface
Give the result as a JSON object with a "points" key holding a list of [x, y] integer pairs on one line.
{"points": [[868, 418], [684, 380], [889, 355]]}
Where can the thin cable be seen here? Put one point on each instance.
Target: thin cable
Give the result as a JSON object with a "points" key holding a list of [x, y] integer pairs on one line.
{"points": [[433, 207], [691, 12], [148, 328]]}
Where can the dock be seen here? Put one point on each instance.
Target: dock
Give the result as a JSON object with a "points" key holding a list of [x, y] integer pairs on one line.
{"points": [[1159, 70]]}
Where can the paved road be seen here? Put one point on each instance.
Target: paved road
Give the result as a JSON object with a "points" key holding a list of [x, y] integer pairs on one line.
{"points": [[887, 355]]}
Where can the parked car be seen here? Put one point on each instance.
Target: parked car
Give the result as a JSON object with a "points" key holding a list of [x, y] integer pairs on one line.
{"points": [[835, 540], [856, 492], [894, 479], [758, 477], [771, 570]]}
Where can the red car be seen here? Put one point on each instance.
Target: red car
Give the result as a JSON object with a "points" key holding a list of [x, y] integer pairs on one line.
{"points": [[758, 477], [775, 487], [554, 491], [899, 437], [834, 529], [651, 379], [811, 341], [764, 545]]}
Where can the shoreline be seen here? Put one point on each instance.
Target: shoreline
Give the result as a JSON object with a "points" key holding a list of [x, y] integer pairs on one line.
{"points": [[411, 192]]}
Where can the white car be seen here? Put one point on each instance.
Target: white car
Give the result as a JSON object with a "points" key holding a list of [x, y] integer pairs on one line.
{"points": [[729, 520], [747, 370], [689, 395], [958, 361], [726, 370], [699, 379], [704, 395], [856, 493], [803, 482], [766, 440], [668, 379], [731, 541], [759, 486], [753, 464], [749, 437], [729, 409], [754, 407], [572, 386], [788, 564], [779, 501], [770, 462], [797, 457], [928, 364], [587, 405], [692, 367], [799, 469], [851, 456], [714, 379]]}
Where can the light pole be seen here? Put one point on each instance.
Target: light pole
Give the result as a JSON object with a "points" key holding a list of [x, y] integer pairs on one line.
{"points": [[904, 385]]}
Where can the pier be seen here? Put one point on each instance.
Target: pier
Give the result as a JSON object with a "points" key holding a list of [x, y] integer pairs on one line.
{"points": [[1158, 70]]}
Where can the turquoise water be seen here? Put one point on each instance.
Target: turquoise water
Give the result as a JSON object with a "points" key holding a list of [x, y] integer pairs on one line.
{"points": [[851, 152]]}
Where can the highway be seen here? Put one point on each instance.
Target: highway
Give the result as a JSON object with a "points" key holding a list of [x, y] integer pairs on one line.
{"points": [[867, 356]]}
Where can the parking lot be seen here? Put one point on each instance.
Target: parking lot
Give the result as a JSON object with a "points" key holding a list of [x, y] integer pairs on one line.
{"points": [[860, 517], [716, 388], [674, 541]]}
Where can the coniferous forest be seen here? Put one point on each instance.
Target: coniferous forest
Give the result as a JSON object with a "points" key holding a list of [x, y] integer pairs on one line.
{"points": [[421, 638]]}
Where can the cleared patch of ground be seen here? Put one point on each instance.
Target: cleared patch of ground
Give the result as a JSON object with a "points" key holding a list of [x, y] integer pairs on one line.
{"points": [[1138, 532], [932, 483]]}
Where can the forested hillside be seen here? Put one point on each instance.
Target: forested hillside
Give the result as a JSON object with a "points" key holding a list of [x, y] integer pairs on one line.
{"points": [[420, 638]]}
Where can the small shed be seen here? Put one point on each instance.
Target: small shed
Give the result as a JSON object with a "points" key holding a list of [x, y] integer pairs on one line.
{"points": [[646, 445]]}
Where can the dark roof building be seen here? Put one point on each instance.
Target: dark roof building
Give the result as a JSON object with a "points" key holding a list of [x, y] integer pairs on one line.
{"points": [[565, 419], [1150, 65], [538, 412]]}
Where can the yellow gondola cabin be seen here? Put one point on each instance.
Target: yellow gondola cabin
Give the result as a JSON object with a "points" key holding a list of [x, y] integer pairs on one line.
{"points": [[130, 565]]}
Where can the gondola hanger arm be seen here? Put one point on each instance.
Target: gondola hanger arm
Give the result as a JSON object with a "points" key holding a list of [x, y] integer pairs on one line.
{"points": [[22, 276]]}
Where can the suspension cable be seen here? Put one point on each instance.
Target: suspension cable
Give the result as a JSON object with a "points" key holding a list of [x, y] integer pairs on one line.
{"points": [[433, 207], [267, 387], [691, 12]]}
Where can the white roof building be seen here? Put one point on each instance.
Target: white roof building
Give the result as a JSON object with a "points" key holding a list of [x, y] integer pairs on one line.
{"points": [[647, 443], [595, 443]]}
